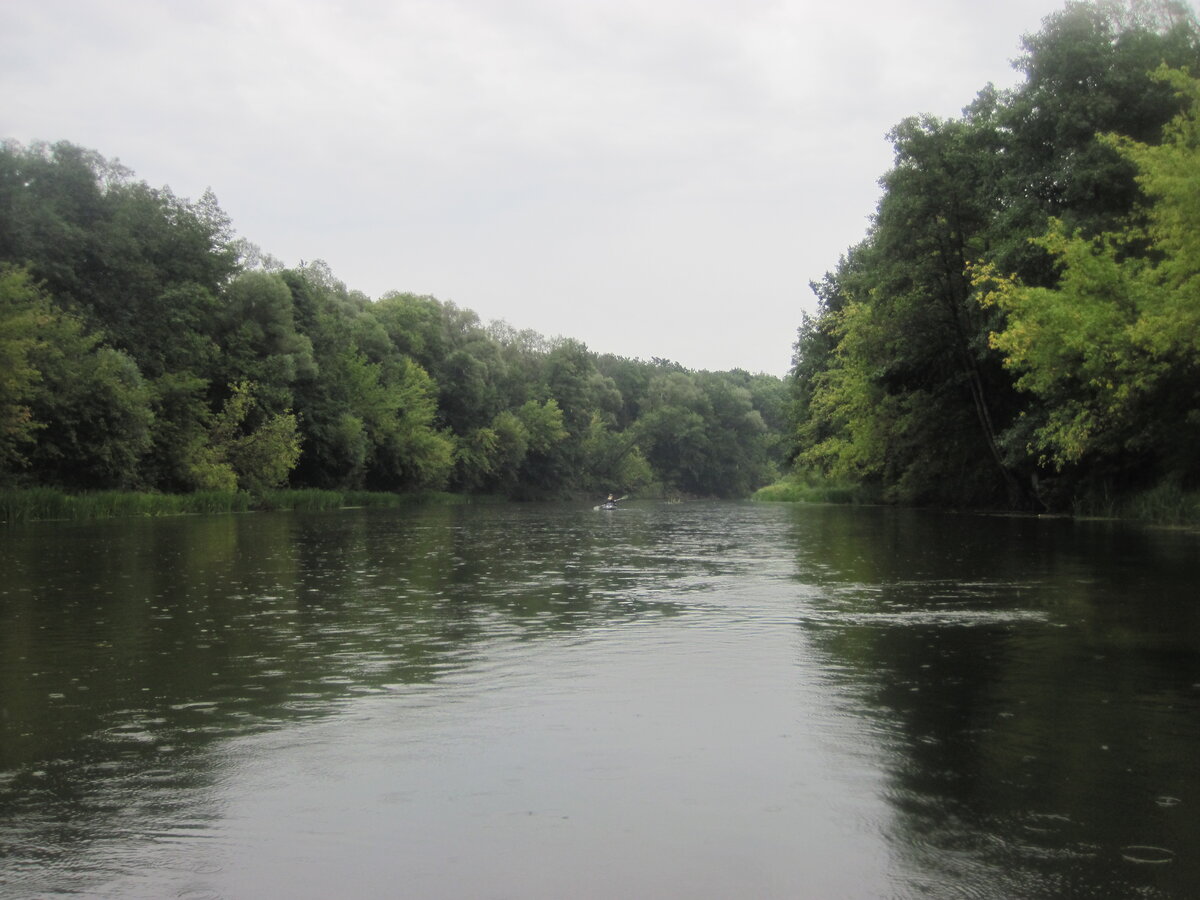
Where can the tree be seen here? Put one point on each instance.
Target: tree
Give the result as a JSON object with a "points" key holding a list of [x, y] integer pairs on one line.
{"points": [[895, 380], [248, 449], [260, 339], [1113, 351], [138, 263], [450, 343], [148, 346], [911, 398], [89, 404], [410, 453], [24, 310], [1087, 72]]}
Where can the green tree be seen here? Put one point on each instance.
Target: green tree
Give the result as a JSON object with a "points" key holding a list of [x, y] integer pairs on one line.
{"points": [[912, 398], [410, 453], [450, 343], [247, 449], [261, 340], [139, 263], [337, 447], [24, 310], [895, 380], [91, 407], [1087, 72], [1113, 351]]}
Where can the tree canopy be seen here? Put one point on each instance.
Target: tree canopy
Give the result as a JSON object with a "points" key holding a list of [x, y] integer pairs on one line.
{"points": [[1005, 334], [143, 345]]}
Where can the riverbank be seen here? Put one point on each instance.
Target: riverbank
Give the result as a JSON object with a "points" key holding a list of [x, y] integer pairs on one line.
{"points": [[797, 489], [39, 504], [1165, 504]]}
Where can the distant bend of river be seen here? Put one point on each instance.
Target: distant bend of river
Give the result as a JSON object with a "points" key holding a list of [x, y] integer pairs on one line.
{"points": [[664, 700]]}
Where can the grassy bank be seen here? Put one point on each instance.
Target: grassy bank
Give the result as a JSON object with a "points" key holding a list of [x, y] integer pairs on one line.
{"points": [[33, 504], [809, 489], [1166, 504]]}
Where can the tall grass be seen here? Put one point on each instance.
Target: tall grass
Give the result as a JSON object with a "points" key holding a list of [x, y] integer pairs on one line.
{"points": [[810, 489], [30, 504], [40, 503], [1164, 504], [27, 504]]}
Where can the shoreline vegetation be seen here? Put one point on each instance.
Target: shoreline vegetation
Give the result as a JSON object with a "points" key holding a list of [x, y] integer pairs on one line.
{"points": [[1161, 505], [47, 504], [145, 348], [1018, 330], [1164, 504], [41, 504], [814, 489]]}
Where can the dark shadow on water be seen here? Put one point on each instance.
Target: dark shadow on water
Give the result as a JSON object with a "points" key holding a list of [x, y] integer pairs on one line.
{"points": [[1038, 682]]}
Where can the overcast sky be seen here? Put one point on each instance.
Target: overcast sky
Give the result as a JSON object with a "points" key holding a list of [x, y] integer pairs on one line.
{"points": [[652, 177]]}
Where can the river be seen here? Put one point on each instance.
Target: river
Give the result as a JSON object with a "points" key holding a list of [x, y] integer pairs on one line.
{"points": [[701, 700]]}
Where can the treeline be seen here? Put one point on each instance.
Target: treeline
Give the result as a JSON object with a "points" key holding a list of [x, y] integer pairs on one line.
{"points": [[1021, 325], [143, 346]]}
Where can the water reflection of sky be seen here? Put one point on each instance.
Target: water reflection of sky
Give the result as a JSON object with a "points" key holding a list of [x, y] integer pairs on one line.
{"points": [[705, 700]]}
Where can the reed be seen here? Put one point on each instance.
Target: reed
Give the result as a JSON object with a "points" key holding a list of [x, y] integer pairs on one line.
{"points": [[445, 498], [43, 503], [29, 504], [1165, 504]]}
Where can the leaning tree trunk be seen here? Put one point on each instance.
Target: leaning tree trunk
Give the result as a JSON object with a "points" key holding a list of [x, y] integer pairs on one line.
{"points": [[955, 296]]}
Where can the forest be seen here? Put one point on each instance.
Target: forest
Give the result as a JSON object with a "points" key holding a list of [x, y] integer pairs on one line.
{"points": [[1020, 327], [145, 347]]}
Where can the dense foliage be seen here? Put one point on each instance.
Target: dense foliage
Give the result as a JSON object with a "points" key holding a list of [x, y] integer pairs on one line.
{"points": [[1019, 326], [143, 346]]}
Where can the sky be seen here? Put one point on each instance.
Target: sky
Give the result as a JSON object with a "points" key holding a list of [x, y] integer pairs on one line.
{"points": [[655, 178]]}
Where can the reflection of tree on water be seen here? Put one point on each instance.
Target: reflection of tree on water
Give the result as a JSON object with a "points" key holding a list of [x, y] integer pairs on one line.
{"points": [[1038, 678], [127, 648]]}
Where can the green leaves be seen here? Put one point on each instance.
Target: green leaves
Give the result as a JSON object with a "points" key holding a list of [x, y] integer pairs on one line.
{"points": [[702, 434], [73, 411], [906, 381], [22, 310], [1113, 351], [137, 348]]}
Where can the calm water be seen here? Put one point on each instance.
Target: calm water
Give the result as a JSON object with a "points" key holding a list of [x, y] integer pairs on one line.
{"points": [[691, 700]]}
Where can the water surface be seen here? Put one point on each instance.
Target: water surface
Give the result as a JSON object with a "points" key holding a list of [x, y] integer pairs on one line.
{"points": [[668, 700]]}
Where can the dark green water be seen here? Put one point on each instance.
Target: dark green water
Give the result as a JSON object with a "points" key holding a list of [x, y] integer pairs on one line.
{"points": [[692, 700]]}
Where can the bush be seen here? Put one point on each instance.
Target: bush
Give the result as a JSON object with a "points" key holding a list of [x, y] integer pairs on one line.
{"points": [[810, 489]]}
